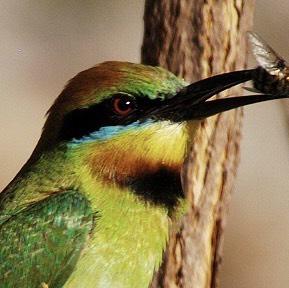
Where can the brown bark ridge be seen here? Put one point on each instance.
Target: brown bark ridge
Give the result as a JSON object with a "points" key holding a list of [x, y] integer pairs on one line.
{"points": [[195, 39]]}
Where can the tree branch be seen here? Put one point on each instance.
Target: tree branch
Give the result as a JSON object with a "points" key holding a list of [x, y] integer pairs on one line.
{"points": [[196, 39]]}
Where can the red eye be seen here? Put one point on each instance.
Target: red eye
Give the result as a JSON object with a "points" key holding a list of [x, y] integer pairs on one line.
{"points": [[123, 104]]}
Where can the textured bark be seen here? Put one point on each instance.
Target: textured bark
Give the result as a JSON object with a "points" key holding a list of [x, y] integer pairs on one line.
{"points": [[195, 39]]}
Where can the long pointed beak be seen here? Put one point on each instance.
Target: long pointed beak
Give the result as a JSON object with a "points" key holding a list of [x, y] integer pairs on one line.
{"points": [[202, 90], [191, 102], [210, 108]]}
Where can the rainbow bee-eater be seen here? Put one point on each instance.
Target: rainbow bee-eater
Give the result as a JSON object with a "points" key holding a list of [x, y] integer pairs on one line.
{"points": [[93, 205]]}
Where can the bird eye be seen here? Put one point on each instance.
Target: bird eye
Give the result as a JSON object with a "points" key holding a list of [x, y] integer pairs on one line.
{"points": [[123, 104]]}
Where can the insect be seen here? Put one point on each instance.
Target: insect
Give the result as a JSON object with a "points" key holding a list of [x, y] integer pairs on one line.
{"points": [[272, 76]]}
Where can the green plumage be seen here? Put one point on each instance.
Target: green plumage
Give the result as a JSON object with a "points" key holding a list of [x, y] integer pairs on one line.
{"points": [[72, 217], [45, 241], [93, 205]]}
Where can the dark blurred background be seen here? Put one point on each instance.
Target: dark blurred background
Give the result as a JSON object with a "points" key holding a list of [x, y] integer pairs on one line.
{"points": [[45, 43]]}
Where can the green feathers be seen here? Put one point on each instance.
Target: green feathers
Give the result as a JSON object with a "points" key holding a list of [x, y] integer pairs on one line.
{"points": [[93, 205], [83, 215], [42, 243]]}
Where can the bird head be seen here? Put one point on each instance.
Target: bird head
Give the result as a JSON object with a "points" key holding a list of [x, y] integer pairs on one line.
{"points": [[117, 118], [124, 119]]}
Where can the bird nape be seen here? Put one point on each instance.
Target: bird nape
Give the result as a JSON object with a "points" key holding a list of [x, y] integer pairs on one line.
{"points": [[93, 205]]}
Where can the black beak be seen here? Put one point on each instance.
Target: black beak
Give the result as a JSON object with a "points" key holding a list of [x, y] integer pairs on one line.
{"points": [[191, 103]]}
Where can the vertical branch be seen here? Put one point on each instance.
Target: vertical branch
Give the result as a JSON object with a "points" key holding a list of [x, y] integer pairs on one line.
{"points": [[195, 39]]}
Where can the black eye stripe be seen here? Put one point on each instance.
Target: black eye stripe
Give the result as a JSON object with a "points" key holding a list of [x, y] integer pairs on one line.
{"points": [[81, 122]]}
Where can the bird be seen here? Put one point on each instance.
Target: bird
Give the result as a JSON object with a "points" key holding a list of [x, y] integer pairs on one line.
{"points": [[93, 205]]}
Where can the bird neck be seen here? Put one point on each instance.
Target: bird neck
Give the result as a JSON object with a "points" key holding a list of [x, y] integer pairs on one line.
{"points": [[127, 181], [147, 161], [134, 187], [129, 238]]}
